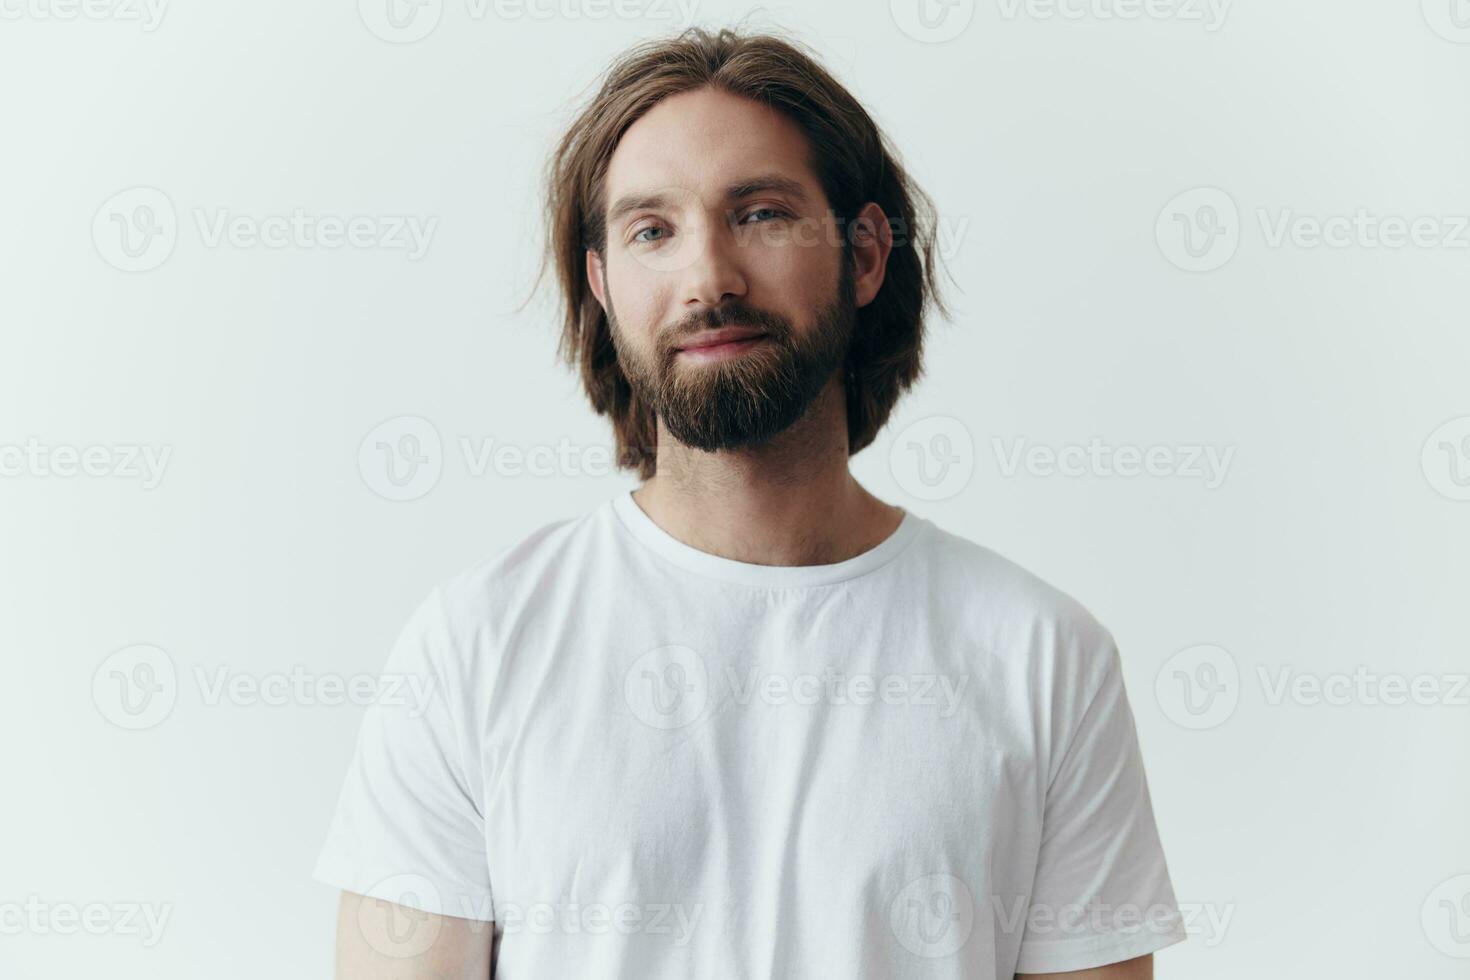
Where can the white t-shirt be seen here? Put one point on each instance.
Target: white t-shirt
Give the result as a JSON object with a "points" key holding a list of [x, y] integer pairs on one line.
{"points": [[641, 760]]}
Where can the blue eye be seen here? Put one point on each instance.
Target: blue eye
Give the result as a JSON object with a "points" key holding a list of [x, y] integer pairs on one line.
{"points": [[638, 236]]}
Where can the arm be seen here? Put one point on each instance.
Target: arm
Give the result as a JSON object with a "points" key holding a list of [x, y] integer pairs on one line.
{"points": [[378, 940], [1138, 968]]}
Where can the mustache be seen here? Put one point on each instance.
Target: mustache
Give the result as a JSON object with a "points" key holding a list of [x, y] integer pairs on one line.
{"points": [[733, 315]]}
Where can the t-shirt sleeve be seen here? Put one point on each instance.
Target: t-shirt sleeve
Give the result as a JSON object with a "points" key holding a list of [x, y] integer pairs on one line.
{"points": [[408, 827], [1101, 892]]}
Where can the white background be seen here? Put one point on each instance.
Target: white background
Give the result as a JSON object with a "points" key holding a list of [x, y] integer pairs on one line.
{"points": [[1053, 141]]}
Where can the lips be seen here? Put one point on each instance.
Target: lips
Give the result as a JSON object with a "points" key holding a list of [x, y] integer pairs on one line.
{"points": [[724, 335]]}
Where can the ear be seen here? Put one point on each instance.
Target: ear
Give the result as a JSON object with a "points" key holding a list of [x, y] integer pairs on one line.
{"points": [[872, 242], [596, 278]]}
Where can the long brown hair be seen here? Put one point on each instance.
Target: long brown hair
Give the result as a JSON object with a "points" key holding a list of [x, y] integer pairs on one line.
{"points": [[850, 156]]}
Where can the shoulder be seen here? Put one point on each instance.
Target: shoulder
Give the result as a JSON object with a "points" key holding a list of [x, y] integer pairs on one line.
{"points": [[531, 568], [472, 610], [1016, 615], [1007, 590]]}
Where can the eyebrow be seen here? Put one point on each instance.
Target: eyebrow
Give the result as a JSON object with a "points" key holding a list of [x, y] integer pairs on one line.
{"points": [[746, 187]]}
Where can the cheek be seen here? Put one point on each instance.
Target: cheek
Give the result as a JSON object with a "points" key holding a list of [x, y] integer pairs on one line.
{"points": [[793, 278], [636, 295], [803, 254]]}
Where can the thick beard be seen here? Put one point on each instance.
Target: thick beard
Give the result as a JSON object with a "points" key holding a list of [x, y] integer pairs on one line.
{"points": [[746, 399]]}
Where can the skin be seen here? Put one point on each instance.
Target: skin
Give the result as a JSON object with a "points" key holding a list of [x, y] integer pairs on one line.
{"points": [[1138, 968], [461, 949], [378, 940], [788, 501]]}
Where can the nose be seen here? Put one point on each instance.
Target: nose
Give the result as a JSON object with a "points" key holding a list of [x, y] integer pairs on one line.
{"points": [[715, 276]]}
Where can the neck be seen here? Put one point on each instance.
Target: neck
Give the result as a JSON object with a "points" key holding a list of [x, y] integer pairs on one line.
{"points": [[789, 501]]}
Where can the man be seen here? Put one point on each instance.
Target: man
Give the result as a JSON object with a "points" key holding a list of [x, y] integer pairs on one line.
{"points": [[747, 720]]}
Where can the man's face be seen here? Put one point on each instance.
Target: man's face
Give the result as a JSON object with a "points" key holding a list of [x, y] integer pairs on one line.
{"points": [[690, 252]]}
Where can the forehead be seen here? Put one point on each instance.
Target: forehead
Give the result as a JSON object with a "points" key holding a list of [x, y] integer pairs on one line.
{"points": [[704, 141]]}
